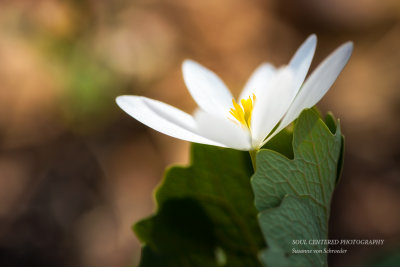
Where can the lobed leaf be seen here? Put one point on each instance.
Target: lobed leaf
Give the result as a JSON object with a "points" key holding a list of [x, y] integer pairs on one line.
{"points": [[293, 195]]}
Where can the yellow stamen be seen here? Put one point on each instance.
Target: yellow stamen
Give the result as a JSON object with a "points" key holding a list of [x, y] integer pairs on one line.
{"points": [[243, 113]]}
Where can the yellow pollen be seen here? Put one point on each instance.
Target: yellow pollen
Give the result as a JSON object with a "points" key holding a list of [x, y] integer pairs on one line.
{"points": [[243, 113]]}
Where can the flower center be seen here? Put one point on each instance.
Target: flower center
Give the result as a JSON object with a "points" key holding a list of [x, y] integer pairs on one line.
{"points": [[242, 113]]}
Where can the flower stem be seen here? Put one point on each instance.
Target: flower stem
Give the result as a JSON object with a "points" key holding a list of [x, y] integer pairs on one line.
{"points": [[253, 158]]}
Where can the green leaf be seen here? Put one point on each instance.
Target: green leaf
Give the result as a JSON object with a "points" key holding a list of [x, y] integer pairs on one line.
{"points": [[206, 214], [293, 195], [282, 143]]}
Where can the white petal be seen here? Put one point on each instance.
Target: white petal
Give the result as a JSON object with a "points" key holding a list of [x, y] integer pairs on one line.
{"points": [[222, 131], [206, 88], [301, 61], [258, 81], [318, 83], [269, 109], [163, 118]]}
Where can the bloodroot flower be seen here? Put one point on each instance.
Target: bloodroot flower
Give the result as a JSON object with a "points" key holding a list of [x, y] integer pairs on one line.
{"points": [[271, 99]]}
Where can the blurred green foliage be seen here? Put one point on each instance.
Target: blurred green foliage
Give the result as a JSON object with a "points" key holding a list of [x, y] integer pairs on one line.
{"points": [[206, 215]]}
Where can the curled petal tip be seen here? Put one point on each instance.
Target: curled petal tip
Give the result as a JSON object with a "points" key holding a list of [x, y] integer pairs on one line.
{"points": [[346, 48], [312, 37]]}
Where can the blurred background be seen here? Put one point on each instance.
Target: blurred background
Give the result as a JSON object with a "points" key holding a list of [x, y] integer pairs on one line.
{"points": [[76, 172]]}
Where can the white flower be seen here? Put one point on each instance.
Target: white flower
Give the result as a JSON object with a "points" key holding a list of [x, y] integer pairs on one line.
{"points": [[271, 96]]}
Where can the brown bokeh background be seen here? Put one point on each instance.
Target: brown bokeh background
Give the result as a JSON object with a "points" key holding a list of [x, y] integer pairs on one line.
{"points": [[76, 172]]}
